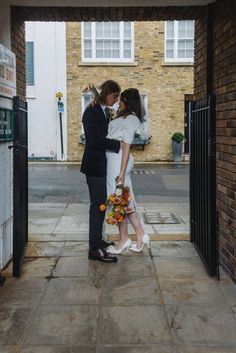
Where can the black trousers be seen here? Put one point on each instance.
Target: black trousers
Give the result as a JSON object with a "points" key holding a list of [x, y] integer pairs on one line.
{"points": [[98, 194]]}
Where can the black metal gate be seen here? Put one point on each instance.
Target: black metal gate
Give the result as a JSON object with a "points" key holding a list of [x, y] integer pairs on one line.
{"points": [[20, 184], [203, 214]]}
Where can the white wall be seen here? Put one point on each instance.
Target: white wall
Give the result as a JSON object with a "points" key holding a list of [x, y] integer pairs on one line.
{"points": [[50, 77]]}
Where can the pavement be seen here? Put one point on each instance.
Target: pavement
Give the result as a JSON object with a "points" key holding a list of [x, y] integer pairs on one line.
{"points": [[159, 301]]}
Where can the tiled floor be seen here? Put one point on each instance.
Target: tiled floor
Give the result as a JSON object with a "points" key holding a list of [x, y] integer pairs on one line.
{"points": [[160, 301]]}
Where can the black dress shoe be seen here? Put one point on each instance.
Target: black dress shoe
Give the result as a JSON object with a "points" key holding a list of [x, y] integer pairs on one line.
{"points": [[106, 243], [101, 255]]}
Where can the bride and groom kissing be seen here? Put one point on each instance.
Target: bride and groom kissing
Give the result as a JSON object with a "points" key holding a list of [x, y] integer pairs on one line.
{"points": [[107, 161]]}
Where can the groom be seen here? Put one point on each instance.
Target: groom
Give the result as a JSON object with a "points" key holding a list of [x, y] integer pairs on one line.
{"points": [[95, 121]]}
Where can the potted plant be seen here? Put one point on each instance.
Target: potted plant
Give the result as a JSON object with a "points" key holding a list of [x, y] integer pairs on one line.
{"points": [[177, 146]]}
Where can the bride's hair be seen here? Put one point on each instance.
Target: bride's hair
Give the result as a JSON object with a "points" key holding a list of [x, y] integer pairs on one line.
{"points": [[107, 88], [133, 103]]}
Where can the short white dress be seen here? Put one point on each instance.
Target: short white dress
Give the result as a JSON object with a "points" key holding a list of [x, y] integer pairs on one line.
{"points": [[122, 129]]}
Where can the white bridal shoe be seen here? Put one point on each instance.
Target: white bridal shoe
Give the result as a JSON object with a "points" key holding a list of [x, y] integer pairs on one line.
{"points": [[145, 241], [111, 249]]}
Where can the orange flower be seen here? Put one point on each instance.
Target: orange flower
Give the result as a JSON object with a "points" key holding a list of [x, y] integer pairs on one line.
{"points": [[111, 198], [102, 207], [116, 200], [110, 221]]}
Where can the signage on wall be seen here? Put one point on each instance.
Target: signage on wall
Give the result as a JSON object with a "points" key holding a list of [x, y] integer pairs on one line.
{"points": [[7, 72], [6, 124]]}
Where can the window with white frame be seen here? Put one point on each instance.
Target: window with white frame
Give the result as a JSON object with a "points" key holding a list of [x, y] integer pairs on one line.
{"points": [[86, 99], [179, 41], [143, 130], [107, 41]]}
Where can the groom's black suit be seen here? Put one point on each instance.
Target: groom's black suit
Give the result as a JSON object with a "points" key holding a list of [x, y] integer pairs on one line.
{"points": [[94, 166]]}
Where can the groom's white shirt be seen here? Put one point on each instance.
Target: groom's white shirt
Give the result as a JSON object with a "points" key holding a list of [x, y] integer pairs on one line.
{"points": [[103, 108]]}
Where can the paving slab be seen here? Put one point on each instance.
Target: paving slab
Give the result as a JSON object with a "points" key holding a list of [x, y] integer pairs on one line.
{"points": [[70, 291], [128, 266], [202, 325], [180, 267], [134, 349], [77, 209], [75, 248], [38, 267], [10, 349], [228, 288], [191, 291], [13, 323], [76, 267], [43, 220], [38, 205], [58, 349], [234, 310], [72, 224], [46, 237], [143, 324], [65, 325], [130, 291], [22, 292], [45, 248], [205, 349], [173, 249]]}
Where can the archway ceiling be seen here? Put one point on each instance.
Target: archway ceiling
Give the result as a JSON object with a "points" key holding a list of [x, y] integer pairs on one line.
{"points": [[109, 3]]}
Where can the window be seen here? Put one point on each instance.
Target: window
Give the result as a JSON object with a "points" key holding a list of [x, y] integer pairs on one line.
{"points": [[179, 41], [143, 130], [107, 41], [30, 63]]}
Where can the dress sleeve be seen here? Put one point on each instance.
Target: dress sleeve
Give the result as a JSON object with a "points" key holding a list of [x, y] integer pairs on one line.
{"points": [[131, 124]]}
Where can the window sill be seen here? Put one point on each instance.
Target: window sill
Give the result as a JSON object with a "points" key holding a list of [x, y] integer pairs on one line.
{"points": [[178, 63], [30, 97], [106, 63]]}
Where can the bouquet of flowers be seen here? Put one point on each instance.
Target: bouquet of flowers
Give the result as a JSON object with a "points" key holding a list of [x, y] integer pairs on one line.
{"points": [[118, 205]]}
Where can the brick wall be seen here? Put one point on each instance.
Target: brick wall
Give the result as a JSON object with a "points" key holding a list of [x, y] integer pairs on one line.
{"points": [[20, 14], [18, 47], [164, 85], [215, 70]]}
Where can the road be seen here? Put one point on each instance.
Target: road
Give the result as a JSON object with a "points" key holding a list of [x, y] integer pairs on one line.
{"points": [[155, 183]]}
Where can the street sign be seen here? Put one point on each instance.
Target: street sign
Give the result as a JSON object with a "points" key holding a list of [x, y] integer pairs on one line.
{"points": [[6, 124], [7, 72], [60, 107]]}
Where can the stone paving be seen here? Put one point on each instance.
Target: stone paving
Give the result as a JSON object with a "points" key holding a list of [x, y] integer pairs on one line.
{"points": [[160, 301]]}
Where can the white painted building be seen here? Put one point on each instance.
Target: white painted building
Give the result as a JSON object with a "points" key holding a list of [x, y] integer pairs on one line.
{"points": [[46, 75]]}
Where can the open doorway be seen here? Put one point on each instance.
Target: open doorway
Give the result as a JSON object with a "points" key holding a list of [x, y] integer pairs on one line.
{"points": [[161, 67]]}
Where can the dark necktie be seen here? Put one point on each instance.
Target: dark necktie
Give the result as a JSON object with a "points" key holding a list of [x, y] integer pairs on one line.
{"points": [[107, 114]]}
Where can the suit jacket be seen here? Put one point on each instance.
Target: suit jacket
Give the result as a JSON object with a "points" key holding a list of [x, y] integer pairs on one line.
{"points": [[96, 128]]}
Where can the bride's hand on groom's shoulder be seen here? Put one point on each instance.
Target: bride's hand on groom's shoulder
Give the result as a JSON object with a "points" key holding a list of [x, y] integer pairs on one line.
{"points": [[88, 87]]}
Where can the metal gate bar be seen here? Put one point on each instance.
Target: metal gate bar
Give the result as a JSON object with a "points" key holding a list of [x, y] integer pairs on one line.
{"points": [[203, 214], [20, 184]]}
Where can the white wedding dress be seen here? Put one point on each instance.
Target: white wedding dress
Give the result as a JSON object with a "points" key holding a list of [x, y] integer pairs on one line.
{"points": [[122, 129]]}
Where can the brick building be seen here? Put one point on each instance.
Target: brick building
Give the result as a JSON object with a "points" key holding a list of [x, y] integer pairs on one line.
{"points": [[214, 72], [163, 76]]}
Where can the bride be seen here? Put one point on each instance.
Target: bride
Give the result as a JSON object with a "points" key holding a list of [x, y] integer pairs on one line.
{"points": [[123, 128]]}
